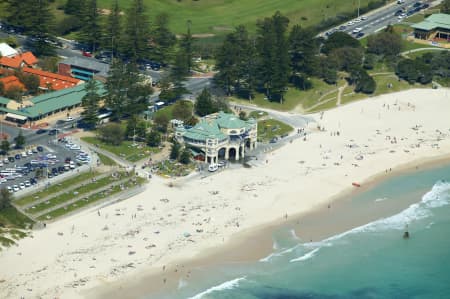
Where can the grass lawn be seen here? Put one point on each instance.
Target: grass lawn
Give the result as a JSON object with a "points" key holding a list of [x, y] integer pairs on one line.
{"points": [[125, 150], [55, 188], [293, 97], [219, 16], [267, 129], [257, 114], [91, 199], [168, 110], [105, 160], [10, 217], [67, 196], [384, 80], [168, 168]]}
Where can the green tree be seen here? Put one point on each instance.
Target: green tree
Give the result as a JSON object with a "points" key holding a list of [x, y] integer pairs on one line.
{"points": [[186, 46], [5, 198], [347, 58], [14, 92], [90, 103], [338, 40], [273, 58], [385, 43], [127, 90], [161, 121], [4, 145], [137, 31], [111, 133], [153, 138], [235, 63], [204, 104], [182, 110], [31, 82], [136, 128], [20, 140], [114, 29], [2, 89], [41, 21], [175, 150], [74, 7], [445, 7], [303, 48], [90, 32], [243, 115], [179, 72], [164, 40], [363, 82], [185, 156]]}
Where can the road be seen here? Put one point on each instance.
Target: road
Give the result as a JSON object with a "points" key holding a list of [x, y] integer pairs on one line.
{"points": [[380, 18]]}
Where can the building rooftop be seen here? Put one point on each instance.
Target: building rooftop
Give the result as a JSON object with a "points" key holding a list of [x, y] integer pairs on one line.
{"points": [[52, 80], [210, 126], [18, 60], [10, 62], [434, 21], [52, 101], [11, 81], [6, 50], [100, 68]]}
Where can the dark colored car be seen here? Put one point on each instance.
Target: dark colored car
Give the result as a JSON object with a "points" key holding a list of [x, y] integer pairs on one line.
{"points": [[41, 131], [61, 169], [417, 4], [360, 34], [33, 181], [40, 148], [17, 157], [53, 132], [398, 12], [11, 159]]}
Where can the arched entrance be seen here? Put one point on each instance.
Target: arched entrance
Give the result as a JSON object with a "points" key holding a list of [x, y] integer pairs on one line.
{"points": [[232, 153], [221, 153]]}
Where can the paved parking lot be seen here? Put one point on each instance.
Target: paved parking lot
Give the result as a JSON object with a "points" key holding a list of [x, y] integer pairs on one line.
{"points": [[52, 159]]}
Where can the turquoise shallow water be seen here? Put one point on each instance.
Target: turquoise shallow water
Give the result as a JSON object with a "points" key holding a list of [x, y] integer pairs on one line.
{"points": [[371, 261]]}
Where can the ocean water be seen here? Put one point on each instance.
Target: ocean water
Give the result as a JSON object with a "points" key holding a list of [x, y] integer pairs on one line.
{"points": [[370, 261]]}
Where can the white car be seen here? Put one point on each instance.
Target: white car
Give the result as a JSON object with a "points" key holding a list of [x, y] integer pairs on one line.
{"points": [[16, 188], [30, 153], [350, 23], [70, 118], [9, 189], [75, 147], [27, 184], [213, 167], [22, 186], [24, 154]]}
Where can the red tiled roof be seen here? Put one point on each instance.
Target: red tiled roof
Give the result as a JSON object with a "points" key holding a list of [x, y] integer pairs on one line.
{"points": [[56, 81], [28, 58], [11, 81], [11, 62]]}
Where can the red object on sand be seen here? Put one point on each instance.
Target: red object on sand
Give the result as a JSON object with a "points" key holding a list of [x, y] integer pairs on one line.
{"points": [[356, 184]]}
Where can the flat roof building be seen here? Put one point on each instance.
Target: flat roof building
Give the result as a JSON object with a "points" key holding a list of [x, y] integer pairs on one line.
{"points": [[83, 68]]}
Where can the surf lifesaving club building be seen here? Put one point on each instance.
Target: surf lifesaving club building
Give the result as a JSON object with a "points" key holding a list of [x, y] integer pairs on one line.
{"points": [[219, 136]]}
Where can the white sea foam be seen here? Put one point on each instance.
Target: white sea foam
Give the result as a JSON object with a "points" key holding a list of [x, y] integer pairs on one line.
{"points": [[228, 285], [294, 235], [381, 199], [182, 283], [306, 256], [438, 196]]}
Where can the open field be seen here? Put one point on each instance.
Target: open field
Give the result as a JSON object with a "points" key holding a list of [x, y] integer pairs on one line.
{"points": [[55, 188], [106, 160], [71, 194], [220, 16], [270, 128], [115, 189], [125, 150]]}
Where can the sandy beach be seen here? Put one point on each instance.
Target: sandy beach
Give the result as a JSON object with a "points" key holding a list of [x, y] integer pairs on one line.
{"points": [[174, 220]]}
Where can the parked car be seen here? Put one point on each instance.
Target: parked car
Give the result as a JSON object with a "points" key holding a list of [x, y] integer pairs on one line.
{"points": [[11, 159], [41, 131], [40, 148]]}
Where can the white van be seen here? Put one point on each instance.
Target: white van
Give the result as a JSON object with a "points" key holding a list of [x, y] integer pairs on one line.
{"points": [[213, 167]]}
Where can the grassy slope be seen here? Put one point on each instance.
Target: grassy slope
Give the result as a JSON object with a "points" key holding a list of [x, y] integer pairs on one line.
{"points": [[216, 16]]}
